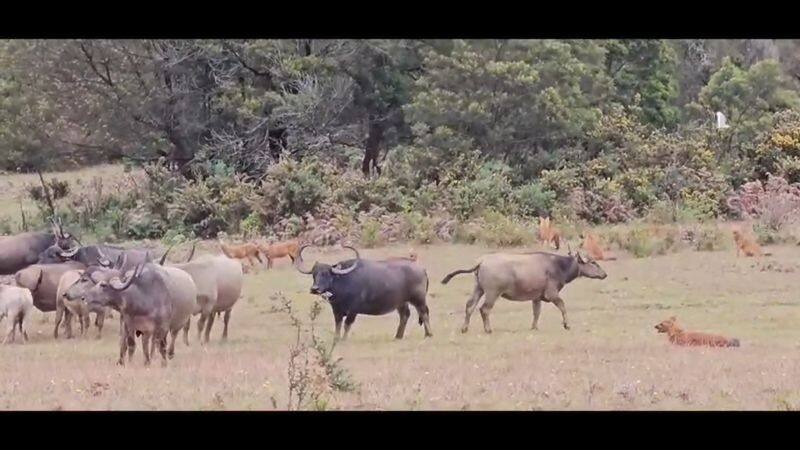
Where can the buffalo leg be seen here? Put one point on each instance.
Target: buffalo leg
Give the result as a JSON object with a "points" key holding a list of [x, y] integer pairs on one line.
{"points": [[146, 335], [162, 345], [11, 331], [269, 262], [424, 317], [486, 309], [348, 322], [200, 324], [563, 308], [338, 320], [59, 316], [186, 331], [171, 352], [551, 295], [537, 309], [209, 324], [98, 322], [68, 323], [405, 313], [22, 329], [226, 319], [123, 346], [472, 302]]}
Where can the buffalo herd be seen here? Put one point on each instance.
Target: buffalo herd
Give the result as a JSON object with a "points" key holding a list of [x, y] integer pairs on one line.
{"points": [[156, 300]]}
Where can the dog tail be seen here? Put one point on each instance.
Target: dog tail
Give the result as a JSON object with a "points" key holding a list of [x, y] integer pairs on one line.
{"points": [[733, 343]]}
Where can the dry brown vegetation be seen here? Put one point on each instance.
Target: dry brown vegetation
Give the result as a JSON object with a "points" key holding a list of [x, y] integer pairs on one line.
{"points": [[611, 359]]}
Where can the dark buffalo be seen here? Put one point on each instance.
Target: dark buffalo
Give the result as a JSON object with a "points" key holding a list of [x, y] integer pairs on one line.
{"points": [[22, 250], [363, 286], [90, 255]]}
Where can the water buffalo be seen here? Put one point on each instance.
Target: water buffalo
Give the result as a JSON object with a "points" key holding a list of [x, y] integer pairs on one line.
{"points": [[535, 277], [42, 280], [219, 283], [153, 301], [90, 255], [22, 250], [16, 304], [67, 307], [363, 286]]}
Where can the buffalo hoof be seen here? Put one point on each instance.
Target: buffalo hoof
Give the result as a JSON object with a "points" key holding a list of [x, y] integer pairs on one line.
{"points": [[429, 335], [121, 362], [566, 327], [464, 330]]}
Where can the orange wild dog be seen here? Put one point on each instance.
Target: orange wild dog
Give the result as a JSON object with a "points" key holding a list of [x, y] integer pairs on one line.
{"points": [[412, 256], [692, 338], [280, 250], [747, 245], [241, 252], [548, 233], [595, 251]]}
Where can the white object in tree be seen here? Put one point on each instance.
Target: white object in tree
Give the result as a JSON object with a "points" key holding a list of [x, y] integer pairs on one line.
{"points": [[722, 122]]}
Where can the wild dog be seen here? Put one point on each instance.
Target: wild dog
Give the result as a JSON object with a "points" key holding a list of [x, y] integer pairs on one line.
{"points": [[549, 234], [241, 252], [692, 338], [747, 245], [592, 246], [280, 250]]}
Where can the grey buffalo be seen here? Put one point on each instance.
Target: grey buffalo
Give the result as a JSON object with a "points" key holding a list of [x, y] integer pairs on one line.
{"points": [[531, 277], [153, 301], [22, 250], [363, 286]]}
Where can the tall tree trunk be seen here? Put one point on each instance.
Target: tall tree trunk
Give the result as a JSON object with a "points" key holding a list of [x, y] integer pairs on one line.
{"points": [[372, 147]]}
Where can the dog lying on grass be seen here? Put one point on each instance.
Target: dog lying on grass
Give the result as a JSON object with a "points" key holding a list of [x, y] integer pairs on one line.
{"points": [[679, 337]]}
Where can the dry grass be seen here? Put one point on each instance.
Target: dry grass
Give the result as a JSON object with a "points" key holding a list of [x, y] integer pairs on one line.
{"points": [[611, 359], [12, 187]]}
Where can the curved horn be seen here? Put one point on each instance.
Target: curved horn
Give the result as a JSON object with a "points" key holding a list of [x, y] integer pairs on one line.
{"points": [[102, 259], [300, 258], [69, 253], [191, 254], [354, 251], [164, 256], [121, 261], [344, 271], [126, 284], [338, 271]]}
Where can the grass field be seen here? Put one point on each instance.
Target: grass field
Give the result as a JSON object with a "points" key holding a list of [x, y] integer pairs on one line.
{"points": [[12, 188], [612, 358]]}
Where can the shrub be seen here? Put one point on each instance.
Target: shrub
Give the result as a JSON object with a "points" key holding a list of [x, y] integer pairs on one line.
{"points": [[711, 238], [370, 233], [534, 200]]}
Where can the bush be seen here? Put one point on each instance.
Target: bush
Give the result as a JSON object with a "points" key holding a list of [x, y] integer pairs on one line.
{"points": [[370, 233], [711, 239], [534, 200]]}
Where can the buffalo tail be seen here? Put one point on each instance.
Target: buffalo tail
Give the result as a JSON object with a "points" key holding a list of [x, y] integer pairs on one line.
{"points": [[458, 272]]}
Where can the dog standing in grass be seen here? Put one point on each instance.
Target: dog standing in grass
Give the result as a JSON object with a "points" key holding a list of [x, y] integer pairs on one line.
{"points": [[548, 233], [747, 245], [692, 338]]}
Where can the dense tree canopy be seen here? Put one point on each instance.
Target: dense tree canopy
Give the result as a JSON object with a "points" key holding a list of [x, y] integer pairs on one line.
{"points": [[616, 126]]}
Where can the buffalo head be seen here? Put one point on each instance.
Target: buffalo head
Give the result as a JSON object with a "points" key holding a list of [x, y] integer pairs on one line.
{"points": [[102, 293], [324, 274], [587, 267]]}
